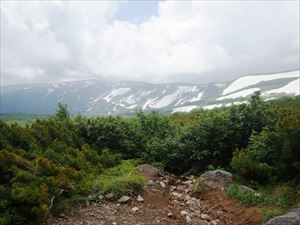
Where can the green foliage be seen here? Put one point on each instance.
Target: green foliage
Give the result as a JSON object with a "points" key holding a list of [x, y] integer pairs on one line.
{"points": [[62, 112], [44, 161], [59, 157], [247, 197], [120, 180]]}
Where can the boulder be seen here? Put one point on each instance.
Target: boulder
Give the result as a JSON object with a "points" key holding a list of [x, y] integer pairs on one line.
{"points": [[291, 218], [216, 179]]}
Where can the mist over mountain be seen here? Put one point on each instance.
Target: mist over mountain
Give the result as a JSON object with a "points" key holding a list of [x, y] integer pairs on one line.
{"points": [[102, 97]]}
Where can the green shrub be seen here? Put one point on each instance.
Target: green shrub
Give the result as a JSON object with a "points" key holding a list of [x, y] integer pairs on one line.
{"points": [[247, 197]]}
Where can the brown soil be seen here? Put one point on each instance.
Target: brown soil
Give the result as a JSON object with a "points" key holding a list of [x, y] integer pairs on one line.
{"points": [[160, 206]]}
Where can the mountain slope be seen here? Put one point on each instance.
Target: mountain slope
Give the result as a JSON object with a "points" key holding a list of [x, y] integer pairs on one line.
{"points": [[99, 97]]}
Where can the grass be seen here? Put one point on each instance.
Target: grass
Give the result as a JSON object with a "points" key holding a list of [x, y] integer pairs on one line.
{"points": [[273, 201], [246, 197], [120, 180]]}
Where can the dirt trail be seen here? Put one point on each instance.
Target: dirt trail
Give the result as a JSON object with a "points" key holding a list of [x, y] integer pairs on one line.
{"points": [[168, 200]]}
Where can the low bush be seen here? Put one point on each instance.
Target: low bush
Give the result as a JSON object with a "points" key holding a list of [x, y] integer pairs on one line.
{"points": [[120, 180]]}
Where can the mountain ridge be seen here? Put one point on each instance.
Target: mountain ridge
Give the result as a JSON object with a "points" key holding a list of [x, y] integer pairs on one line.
{"points": [[102, 97]]}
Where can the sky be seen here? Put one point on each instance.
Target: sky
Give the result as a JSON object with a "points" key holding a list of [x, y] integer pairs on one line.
{"points": [[152, 41]]}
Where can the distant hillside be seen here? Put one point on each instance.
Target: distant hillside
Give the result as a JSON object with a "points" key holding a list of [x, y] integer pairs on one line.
{"points": [[99, 97]]}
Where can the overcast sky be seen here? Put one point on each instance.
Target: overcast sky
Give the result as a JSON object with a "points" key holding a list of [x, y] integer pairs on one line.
{"points": [[202, 41]]}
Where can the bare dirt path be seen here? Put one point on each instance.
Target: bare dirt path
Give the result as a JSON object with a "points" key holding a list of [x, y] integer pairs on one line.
{"points": [[168, 200]]}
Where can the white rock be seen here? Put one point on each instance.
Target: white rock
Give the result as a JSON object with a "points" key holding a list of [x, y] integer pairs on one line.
{"points": [[176, 194], [172, 188], [123, 199], [188, 182], [213, 222], [140, 198], [183, 212], [162, 184], [170, 214], [204, 216], [135, 209], [188, 219]]}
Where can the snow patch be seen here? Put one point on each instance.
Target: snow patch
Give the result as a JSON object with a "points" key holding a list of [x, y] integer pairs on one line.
{"points": [[116, 92], [168, 99], [239, 94], [291, 88], [212, 106], [149, 102], [131, 99], [131, 107], [185, 108], [197, 98], [251, 80]]}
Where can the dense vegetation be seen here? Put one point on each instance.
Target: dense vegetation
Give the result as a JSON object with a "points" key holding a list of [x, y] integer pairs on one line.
{"points": [[61, 160]]}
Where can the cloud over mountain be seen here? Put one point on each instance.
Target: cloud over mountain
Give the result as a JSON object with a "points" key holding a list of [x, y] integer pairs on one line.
{"points": [[185, 41]]}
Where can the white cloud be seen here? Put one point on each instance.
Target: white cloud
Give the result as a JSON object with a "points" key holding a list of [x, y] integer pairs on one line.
{"points": [[187, 41]]}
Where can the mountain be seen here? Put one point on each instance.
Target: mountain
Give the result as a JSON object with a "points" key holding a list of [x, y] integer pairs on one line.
{"points": [[99, 97]]}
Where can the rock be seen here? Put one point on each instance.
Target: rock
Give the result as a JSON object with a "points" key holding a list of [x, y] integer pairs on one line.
{"points": [[162, 184], [291, 218], [187, 182], [188, 219], [114, 223], [100, 197], [123, 199], [176, 194], [216, 179], [150, 183], [205, 216], [140, 198], [213, 222], [109, 196], [172, 188], [135, 209], [183, 212], [170, 214]]}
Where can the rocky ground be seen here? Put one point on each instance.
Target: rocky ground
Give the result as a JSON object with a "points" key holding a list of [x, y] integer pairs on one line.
{"points": [[166, 200]]}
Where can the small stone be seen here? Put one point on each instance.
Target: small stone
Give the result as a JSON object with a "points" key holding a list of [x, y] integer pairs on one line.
{"points": [[170, 214], [100, 197], [150, 183], [114, 223], [188, 219], [204, 216], [135, 209], [188, 182], [213, 222], [162, 184], [176, 194], [140, 198], [123, 199], [109, 196], [172, 188], [183, 212]]}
